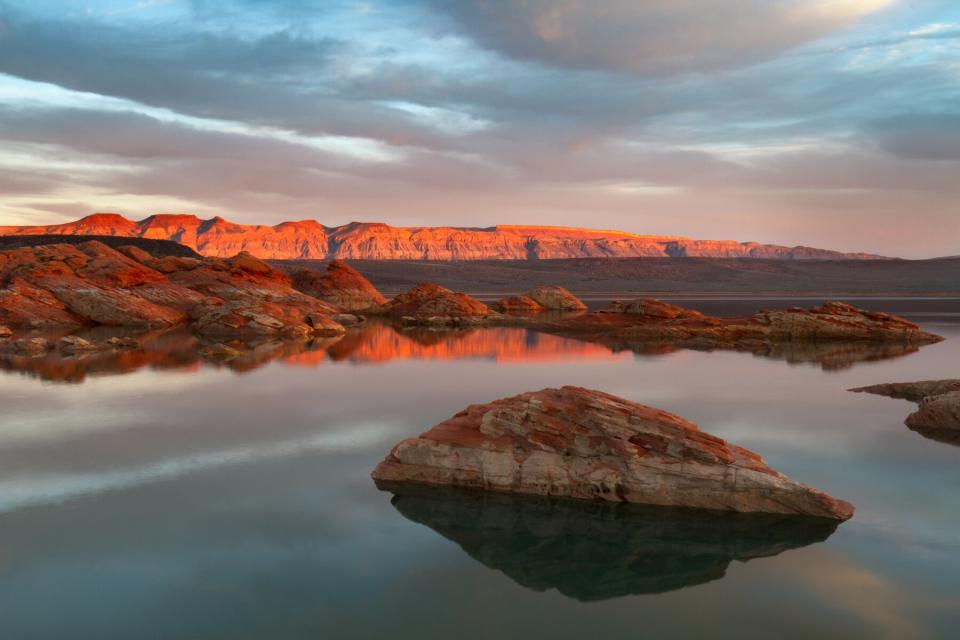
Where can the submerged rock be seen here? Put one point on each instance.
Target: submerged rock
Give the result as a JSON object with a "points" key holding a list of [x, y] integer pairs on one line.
{"points": [[29, 346], [938, 416], [578, 443], [597, 551], [75, 344]]}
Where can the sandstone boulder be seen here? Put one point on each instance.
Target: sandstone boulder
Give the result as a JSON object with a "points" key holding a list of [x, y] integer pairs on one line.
{"points": [[554, 298], [577, 443], [518, 304], [341, 285], [432, 304], [5, 332]]}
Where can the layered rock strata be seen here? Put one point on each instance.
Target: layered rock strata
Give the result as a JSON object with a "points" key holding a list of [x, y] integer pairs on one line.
{"points": [[69, 287], [308, 239], [577, 443]]}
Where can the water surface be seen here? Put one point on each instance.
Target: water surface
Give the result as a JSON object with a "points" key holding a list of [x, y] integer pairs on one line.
{"points": [[159, 496]]}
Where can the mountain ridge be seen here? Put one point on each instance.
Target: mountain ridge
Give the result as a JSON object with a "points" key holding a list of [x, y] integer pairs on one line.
{"points": [[311, 240]]}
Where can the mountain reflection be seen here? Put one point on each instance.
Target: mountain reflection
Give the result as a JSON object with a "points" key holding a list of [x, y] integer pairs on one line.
{"points": [[597, 551], [375, 342]]}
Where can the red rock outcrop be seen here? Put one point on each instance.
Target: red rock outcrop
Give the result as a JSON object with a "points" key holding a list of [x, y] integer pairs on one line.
{"points": [[432, 304], [554, 298], [341, 285], [938, 416], [577, 443], [308, 239], [67, 287], [518, 304], [655, 320]]}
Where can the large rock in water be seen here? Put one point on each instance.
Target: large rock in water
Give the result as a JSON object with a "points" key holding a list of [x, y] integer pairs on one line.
{"points": [[939, 414], [554, 298], [432, 304], [578, 443], [341, 285]]}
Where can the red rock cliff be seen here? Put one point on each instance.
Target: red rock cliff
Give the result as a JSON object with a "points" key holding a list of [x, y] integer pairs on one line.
{"points": [[308, 239]]}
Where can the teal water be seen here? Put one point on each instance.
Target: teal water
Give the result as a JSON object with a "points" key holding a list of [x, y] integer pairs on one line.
{"points": [[206, 502]]}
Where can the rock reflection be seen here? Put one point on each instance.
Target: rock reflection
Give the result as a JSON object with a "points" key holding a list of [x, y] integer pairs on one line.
{"points": [[376, 342], [597, 551], [830, 356]]}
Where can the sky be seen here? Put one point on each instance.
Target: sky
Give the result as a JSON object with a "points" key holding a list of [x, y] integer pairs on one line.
{"points": [[829, 123]]}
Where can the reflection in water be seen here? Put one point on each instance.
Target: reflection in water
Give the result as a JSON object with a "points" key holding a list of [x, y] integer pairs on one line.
{"points": [[597, 551], [832, 355], [379, 343]]}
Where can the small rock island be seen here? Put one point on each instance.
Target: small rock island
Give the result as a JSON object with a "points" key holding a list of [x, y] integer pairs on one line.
{"points": [[938, 416], [577, 443]]}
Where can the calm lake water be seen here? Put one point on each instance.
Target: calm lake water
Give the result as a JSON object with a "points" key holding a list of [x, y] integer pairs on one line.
{"points": [[168, 498]]}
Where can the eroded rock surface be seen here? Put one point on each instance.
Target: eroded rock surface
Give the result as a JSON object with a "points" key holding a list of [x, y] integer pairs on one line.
{"points": [[432, 304], [655, 320], [341, 285], [69, 287], [554, 298], [578, 443], [938, 416]]}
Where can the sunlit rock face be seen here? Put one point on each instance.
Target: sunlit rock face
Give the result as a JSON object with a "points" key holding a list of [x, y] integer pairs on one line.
{"points": [[432, 304], [341, 285], [597, 551], [63, 287], [577, 443], [938, 416], [308, 239]]}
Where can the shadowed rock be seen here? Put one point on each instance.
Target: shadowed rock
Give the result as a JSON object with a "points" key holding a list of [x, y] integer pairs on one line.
{"points": [[577, 443], [597, 551]]}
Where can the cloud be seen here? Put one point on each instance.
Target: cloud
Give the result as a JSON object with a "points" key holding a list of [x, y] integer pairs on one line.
{"points": [[649, 36], [931, 136]]}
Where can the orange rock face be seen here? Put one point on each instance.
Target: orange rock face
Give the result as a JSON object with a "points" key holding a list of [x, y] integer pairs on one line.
{"points": [[67, 287], [308, 239], [341, 285], [430, 303], [578, 443], [554, 298]]}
